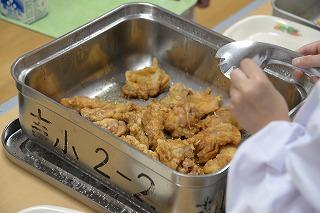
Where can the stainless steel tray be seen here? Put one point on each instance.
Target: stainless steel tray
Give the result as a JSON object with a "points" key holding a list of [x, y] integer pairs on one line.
{"points": [[91, 61], [70, 178], [305, 12]]}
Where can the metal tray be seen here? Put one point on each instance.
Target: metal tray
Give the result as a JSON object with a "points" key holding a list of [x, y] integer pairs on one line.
{"points": [[70, 178], [305, 12], [91, 61]]}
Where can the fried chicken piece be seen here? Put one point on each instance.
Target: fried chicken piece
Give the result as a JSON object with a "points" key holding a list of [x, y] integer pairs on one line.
{"points": [[196, 170], [152, 154], [107, 115], [177, 95], [203, 103], [136, 127], [221, 160], [144, 83], [222, 115], [153, 122], [188, 166], [134, 142], [208, 141], [187, 108], [141, 147], [79, 102], [180, 122], [116, 127], [173, 152], [109, 110], [102, 114]]}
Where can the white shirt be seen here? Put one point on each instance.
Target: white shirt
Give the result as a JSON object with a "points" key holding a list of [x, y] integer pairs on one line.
{"points": [[278, 168]]}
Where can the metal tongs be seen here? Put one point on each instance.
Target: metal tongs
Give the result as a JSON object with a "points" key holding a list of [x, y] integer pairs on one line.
{"points": [[263, 54]]}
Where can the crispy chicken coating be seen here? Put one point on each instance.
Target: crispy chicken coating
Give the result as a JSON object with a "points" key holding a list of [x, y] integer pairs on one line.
{"points": [[141, 147], [79, 102], [109, 110], [145, 83], [221, 160], [188, 166], [181, 122], [222, 115], [203, 103], [187, 108], [208, 141], [177, 95], [173, 152], [116, 127], [153, 122], [136, 127]]}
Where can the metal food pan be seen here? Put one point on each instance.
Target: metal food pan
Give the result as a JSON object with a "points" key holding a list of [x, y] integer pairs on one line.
{"points": [[305, 12], [92, 61]]}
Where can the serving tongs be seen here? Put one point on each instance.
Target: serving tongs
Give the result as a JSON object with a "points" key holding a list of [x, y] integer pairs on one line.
{"points": [[263, 54]]}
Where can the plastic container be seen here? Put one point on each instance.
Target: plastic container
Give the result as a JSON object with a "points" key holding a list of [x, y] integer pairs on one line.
{"points": [[26, 11]]}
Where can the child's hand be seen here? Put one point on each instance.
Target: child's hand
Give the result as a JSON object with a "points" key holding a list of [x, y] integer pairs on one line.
{"points": [[254, 100], [310, 59]]}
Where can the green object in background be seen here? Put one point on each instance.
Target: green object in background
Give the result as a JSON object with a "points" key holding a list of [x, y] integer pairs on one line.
{"points": [[66, 15]]}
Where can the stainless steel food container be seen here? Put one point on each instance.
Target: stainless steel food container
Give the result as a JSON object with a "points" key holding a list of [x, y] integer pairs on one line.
{"points": [[91, 61], [305, 12]]}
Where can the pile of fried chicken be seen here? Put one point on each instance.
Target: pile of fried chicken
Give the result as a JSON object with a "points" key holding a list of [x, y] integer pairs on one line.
{"points": [[187, 130]]}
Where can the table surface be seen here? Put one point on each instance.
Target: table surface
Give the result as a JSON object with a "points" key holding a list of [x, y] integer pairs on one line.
{"points": [[14, 42], [19, 189]]}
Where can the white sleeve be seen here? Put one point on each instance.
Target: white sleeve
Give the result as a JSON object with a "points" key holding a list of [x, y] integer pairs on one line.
{"points": [[278, 168]]}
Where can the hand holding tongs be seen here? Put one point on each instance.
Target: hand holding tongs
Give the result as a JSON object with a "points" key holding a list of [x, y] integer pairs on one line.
{"points": [[263, 54]]}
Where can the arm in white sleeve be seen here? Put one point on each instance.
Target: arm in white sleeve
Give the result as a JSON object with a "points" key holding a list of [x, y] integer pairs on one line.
{"points": [[278, 168]]}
